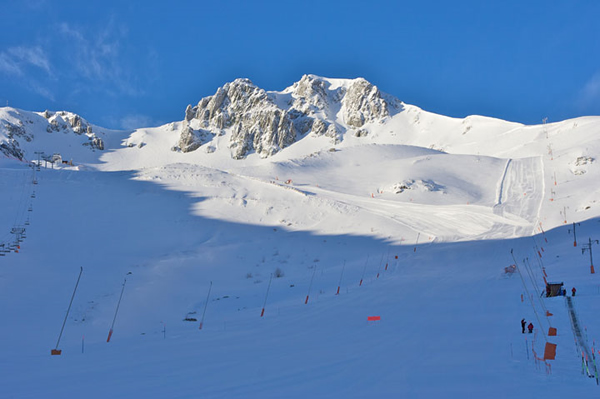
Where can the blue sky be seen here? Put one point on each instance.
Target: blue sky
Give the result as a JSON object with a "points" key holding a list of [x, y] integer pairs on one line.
{"points": [[140, 63]]}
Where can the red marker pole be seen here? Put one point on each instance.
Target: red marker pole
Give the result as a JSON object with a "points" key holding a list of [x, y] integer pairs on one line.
{"points": [[262, 313], [364, 271], [205, 306]]}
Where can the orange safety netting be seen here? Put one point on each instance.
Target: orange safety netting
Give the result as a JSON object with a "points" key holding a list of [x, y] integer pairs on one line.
{"points": [[550, 351]]}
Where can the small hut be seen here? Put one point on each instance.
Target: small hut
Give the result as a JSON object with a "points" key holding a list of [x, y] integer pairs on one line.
{"points": [[555, 289]]}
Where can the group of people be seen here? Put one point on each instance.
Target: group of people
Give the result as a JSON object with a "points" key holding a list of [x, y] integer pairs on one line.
{"points": [[529, 327]]}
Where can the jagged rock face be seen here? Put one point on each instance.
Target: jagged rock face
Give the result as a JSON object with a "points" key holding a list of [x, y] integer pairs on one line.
{"points": [[255, 121], [266, 131], [14, 132], [18, 128], [187, 140], [310, 94], [363, 103], [259, 121], [95, 143], [11, 149], [77, 124], [191, 140], [231, 103]]}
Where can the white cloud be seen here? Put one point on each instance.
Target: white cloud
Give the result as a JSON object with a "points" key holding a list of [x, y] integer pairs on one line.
{"points": [[15, 59], [98, 57], [32, 55], [8, 65], [590, 93], [41, 90]]}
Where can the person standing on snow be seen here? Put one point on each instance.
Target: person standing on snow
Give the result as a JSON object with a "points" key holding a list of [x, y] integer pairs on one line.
{"points": [[573, 291], [523, 324], [530, 328]]}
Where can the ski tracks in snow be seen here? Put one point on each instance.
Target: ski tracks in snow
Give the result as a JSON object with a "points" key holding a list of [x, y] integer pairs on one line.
{"points": [[520, 194]]}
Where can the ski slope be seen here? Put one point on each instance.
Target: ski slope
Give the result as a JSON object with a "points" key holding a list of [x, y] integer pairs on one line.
{"points": [[424, 215]]}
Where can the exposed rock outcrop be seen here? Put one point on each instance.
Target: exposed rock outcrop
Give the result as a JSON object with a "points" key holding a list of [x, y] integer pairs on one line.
{"points": [[267, 122], [18, 128], [191, 140], [363, 103]]}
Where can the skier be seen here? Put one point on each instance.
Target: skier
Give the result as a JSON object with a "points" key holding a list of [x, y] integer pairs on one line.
{"points": [[530, 328], [573, 291], [523, 324]]}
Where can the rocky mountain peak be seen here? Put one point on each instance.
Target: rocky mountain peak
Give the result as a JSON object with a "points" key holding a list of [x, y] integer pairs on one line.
{"points": [[264, 123], [363, 103], [310, 94]]}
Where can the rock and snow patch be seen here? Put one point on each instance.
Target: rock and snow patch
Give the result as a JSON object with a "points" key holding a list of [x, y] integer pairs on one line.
{"points": [[579, 166], [420, 185], [19, 128]]}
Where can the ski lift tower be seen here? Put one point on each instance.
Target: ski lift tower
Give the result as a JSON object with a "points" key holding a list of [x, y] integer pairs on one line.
{"points": [[588, 247]]}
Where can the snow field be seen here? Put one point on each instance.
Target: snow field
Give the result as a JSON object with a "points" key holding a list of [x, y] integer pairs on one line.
{"points": [[449, 315]]}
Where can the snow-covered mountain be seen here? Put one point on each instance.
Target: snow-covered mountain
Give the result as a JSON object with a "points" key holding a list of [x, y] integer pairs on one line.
{"points": [[17, 128], [343, 130], [281, 221]]}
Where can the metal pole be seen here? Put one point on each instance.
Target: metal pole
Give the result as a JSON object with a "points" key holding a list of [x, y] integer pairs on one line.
{"points": [[116, 311], [417, 242], [205, 306], [364, 271], [310, 285], [262, 313], [341, 276], [69, 308], [591, 260]]}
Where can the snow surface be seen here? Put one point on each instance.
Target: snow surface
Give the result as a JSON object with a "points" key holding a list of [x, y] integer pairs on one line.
{"points": [[449, 197]]}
